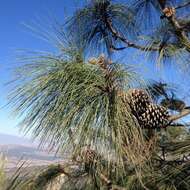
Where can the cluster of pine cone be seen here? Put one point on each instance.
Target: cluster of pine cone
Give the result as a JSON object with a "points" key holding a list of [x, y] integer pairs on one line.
{"points": [[148, 114]]}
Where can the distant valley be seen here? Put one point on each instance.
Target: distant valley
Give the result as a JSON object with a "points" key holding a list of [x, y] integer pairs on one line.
{"points": [[16, 149]]}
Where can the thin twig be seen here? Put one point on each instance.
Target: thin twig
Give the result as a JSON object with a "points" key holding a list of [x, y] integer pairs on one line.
{"points": [[180, 125], [117, 35], [183, 5]]}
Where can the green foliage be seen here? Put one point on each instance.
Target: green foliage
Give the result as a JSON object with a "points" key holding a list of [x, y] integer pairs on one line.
{"points": [[55, 96], [91, 23]]}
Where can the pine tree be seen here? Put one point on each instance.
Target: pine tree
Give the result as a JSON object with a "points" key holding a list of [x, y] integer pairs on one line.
{"points": [[122, 135]]}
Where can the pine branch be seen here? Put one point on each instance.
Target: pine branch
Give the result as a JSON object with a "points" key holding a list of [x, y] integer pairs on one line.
{"points": [[183, 5], [169, 13], [182, 114], [117, 35], [162, 3], [109, 183], [117, 48], [180, 125], [173, 163], [180, 33]]}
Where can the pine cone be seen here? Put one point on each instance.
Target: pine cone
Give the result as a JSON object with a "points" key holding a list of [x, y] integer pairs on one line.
{"points": [[155, 116], [89, 156], [139, 100], [169, 11]]}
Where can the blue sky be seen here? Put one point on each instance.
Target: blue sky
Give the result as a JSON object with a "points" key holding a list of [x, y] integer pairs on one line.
{"points": [[14, 35]]}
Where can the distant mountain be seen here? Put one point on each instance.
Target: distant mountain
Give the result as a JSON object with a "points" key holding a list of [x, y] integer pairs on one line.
{"points": [[17, 148], [11, 139], [33, 156]]}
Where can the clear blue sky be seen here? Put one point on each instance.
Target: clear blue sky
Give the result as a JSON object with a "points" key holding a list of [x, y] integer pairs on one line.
{"points": [[13, 35]]}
